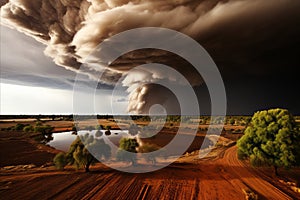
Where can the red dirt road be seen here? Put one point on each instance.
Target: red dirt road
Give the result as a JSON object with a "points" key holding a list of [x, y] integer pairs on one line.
{"points": [[223, 178], [241, 176]]}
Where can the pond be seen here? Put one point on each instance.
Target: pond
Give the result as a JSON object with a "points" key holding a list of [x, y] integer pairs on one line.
{"points": [[63, 140]]}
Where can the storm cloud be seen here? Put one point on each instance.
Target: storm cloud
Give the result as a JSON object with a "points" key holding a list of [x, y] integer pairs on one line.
{"points": [[248, 38]]}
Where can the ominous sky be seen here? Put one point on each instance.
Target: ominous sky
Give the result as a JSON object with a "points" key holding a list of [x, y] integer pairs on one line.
{"points": [[255, 44]]}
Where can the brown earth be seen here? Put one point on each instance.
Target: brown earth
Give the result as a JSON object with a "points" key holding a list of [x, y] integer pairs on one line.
{"points": [[18, 149], [222, 177]]}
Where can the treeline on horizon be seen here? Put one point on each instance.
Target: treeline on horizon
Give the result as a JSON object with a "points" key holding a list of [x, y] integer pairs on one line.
{"points": [[71, 117], [92, 116], [122, 117]]}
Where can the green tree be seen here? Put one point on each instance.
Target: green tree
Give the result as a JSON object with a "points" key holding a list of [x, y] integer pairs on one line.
{"points": [[60, 160], [44, 130], [127, 150], [231, 121], [247, 120], [272, 138], [79, 152]]}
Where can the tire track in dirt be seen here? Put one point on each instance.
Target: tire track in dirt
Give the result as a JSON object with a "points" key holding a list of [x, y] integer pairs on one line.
{"points": [[86, 184], [249, 176], [120, 186]]}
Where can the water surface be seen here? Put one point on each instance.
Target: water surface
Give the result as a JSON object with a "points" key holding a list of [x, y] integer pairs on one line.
{"points": [[63, 140]]}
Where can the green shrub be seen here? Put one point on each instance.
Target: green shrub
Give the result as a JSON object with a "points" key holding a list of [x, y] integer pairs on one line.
{"points": [[127, 150], [38, 123], [44, 130], [232, 121], [28, 128], [19, 127], [60, 160], [99, 127]]}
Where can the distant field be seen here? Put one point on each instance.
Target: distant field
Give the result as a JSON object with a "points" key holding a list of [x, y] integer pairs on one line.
{"points": [[61, 124]]}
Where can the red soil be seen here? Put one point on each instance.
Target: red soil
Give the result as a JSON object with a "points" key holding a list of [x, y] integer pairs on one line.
{"points": [[221, 178], [18, 149]]}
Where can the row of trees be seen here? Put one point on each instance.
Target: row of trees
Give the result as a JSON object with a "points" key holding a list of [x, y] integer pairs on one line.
{"points": [[44, 131], [87, 150]]}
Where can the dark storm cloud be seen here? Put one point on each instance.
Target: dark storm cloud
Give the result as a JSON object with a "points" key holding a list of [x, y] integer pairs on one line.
{"points": [[248, 39], [23, 63]]}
